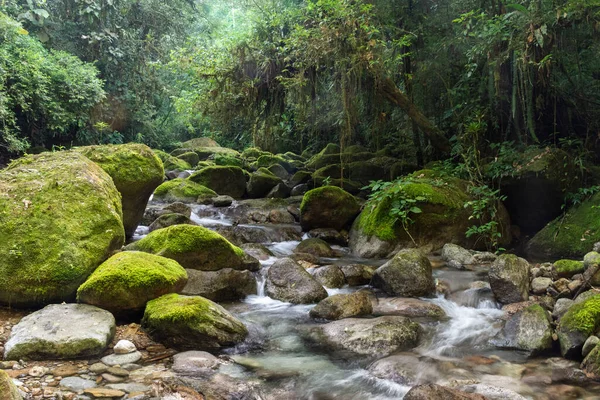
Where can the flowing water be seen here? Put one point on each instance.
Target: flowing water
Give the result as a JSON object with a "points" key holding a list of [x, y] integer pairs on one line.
{"points": [[456, 349]]}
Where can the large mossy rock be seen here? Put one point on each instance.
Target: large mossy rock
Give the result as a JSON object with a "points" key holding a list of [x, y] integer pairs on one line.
{"points": [[200, 142], [261, 182], [190, 157], [128, 280], [287, 281], [536, 186], [529, 329], [408, 274], [195, 247], [60, 217], [192, 322], [328, 207], [443, 217], [223, 285], [571, 235], [61, 331], [182, 190], [171, 163], [8, 390], [136, 172], [581, 321], [509, 279], [375, 337], [225, 180]]}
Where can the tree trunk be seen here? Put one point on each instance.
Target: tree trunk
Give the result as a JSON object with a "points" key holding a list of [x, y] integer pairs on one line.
{"points": [[391, 92]]}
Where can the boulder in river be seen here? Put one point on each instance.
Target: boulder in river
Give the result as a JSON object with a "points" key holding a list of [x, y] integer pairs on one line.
{"points": [[528, 329], [408, 274], [456, 256], [358, 274], [182, 190], [128, 280], [225, 180], [330, 276], [8, 390], [432, 391], [195, 247], [60, 217], [341, 306], [408, 307], [166, 220], [192, 322], [509, 279], [377, 337], [136, 172], [171, 163], [61, 331], [567, 268], [328, 207], [581, 321], [223, 285], [591, 363], [288, 281], [261, 182], [316, 247]]}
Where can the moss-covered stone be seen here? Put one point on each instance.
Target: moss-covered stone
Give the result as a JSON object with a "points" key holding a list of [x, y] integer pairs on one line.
{"points": [[192, 322], [206, 153], [8, 390], [300, 177], [261, 182], [266, 161], [171, 163], [316, 247], [60, 217], [253, 153], [190, 157], [201, 142], [528, 329], [224, 180], [571, 235], [328, 207], [136, 172], [228, 160], [509, 279], [568, 268], [408, 274], [341, 306], [580, 322], [591, 363], [194, 247], [128, 280], [182, 190], [170, 219]]}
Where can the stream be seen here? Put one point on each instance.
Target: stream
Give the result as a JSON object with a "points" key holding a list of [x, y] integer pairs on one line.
{"points": [[455, 351]]}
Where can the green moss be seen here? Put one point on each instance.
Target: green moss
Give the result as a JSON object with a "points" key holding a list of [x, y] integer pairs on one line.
{"points": [[194, 247], [268, 160], [199, 142], [568, 268], [254, 152], [127, 280], [225, 180], [182, 190], [60, 217], [190, 157], [171, 163], [261, 182], [8, 391], [583, 317], [328, 207], [211, 152], [227, 160]]}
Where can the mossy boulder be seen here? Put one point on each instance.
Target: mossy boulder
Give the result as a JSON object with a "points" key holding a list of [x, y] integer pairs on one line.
{"points": [[228, 160], [267, 160], [287, 281], [229, 181], [328, 207], [253, 153], [568, 268], [166, 220], [136, 172], [591, 363], [529, 329], [571, 235], [509, 279], [8, 390], [316, 247], [330, 276], [210, 153], [128, 280], [443, 217], [60, 217], [182, 190], [581, 321], [190, 157], [536, 186], [300, 177], [171, 163], [200, 142], [192, 322], [261, 183], [194, 247], [341, 306], [408, 274]]}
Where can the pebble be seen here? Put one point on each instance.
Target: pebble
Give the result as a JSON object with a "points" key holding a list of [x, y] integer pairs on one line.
{"points": [[112, 379], [98, 368], [118, 371], [120, 359], [124, 347], [65, 370], [38, 371], [77, 384], [130, 387], [104, 392]]}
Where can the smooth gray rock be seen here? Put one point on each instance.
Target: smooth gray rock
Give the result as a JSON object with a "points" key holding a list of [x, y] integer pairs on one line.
{"points": [[408, 274], [528, 329], [561, 307], [222, 285], [540, 285], [343, 305], [288, 281], [453, 253], [408, 307], [509, 279], [121, 359], [358, 274], [77, 384], [130, 387], [61, 331], [330, 276], [589, 345], [194, 362]]}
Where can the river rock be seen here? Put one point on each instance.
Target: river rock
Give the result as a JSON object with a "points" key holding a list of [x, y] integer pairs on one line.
{"points": [[257, 250], [135, 170], [329, 235], [194, 363], [529, 329], [408, 307], [61, 331], [400, 368], [124, 347], [167, 220], [561, 307], [223, 285], [328, 207], [358, 274], [8, 390], [128, 280], [489, 392], [509, 279], [191, 322], [456, 256], [195, 247], [540, 285], [261, 182], [223, 201], [377, 337], [591, 363], [182, 190], [316, 247], [288, 281], [581, 321], [343, 306], [121, 359], [568, 268], [432, 391], [281, 191], [589, 344], [408, 274], [225, 180], [330, 276], [60, 217], [77, 384]]}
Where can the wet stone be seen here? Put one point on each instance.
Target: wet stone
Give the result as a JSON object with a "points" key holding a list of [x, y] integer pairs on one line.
{"points": [[98, 368], [112, 379], [120, 359], [77, 384], [118, 371]]}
